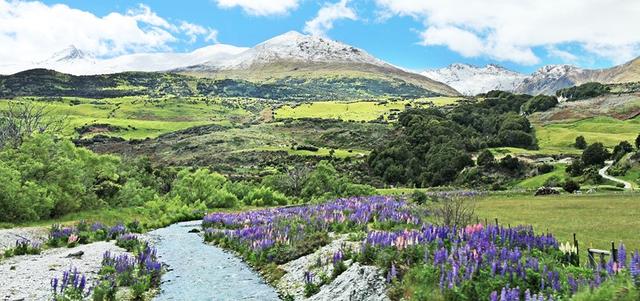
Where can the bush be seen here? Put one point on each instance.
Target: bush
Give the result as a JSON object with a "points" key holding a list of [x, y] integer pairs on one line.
{"points": [[485, 158], [570, 186], [580, 143], [540, 103], [203, 186], [265, 196], [552, 182], [47, 177], [419, 197], [595, 154], [545, 168]]}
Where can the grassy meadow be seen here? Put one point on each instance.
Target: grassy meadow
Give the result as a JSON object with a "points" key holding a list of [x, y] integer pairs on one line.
{"points": [[140, 117], [596, 219], [358, 111]]}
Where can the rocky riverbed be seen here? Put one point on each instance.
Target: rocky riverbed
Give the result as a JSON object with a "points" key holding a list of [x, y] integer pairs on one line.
{"points": [[28, 277]]}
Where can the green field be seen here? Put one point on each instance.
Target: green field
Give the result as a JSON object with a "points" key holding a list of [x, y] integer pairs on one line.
{"points": [[358, 111], [538, 181], [609, 131], [558, 138], [140, 117], [596, 219]]}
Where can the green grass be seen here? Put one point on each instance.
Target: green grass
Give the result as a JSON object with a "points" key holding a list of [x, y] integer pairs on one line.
{"points": [[538, 181], [609, 131], [140, 117], [596, 219], [358, 111], [558, 138], [632, 176]]}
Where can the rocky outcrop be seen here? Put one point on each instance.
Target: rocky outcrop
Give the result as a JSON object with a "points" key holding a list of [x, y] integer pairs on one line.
{"points": [[358, 282]]}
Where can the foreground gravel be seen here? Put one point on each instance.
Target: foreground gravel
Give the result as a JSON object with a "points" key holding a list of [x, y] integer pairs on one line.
{"points": [[28, 277], [8, 237]]}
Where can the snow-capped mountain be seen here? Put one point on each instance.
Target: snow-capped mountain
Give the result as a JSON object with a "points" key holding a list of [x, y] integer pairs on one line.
{"points": [[293, 55], [77, 62], [294, 46], [548, 79], [472, 80]]}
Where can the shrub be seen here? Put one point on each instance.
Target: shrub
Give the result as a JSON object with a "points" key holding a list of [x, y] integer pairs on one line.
{"points": [[540, 103], [595, 154], [419, 197], [553, 181], [203, 186], [580, 143], [545, 168], [265, 196], [570, 186], [486, 158]]}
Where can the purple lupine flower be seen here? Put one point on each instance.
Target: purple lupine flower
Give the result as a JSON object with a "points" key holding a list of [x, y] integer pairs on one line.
{"points": [[308, 277]]}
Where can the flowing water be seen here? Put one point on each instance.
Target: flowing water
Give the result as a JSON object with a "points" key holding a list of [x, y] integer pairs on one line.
{"points": [[203, 272]]}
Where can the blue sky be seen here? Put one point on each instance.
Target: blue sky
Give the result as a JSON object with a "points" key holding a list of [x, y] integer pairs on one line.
{"points": [[409, 33]]}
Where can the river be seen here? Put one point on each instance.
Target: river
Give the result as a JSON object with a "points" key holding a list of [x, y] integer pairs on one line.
{"points": [[198, 271]]}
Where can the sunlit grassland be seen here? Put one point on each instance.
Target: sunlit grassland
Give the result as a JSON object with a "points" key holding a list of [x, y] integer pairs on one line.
{"points": [[596, 219], [139, 117], [358, 111], [539, 180], [609, 131], [558, 138]]}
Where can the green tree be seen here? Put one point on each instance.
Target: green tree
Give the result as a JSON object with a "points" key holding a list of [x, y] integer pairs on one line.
{"points": [[570, 186], [638, 142], [595, 154], [203, 186], [486, 158], [540, 103], [580, 143], [623, 148]]}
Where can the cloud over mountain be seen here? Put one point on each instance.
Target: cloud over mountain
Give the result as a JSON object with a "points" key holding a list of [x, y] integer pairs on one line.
{"points": [[507, 30]]}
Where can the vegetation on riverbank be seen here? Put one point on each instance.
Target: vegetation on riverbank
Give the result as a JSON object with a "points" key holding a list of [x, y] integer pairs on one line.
{"points": [[424, 261]]}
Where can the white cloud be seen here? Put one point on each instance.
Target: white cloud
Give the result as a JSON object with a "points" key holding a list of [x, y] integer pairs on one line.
{"points": [[564, 55], [329, 13], [508, 30], [193, 31], [31, 31], [261, 7]]}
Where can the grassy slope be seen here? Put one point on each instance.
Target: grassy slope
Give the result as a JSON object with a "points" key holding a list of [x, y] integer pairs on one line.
{"points": [[538, 181], [559, 137], [143, 117], [359, 111], [596, 219]]}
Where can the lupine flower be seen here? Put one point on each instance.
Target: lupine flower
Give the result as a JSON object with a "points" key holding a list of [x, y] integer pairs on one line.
{"points": [[308, 277]]}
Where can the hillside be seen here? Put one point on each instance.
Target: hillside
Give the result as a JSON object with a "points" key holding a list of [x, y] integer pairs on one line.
{"points": [[288, 66], [47, 83], [294, 57]]}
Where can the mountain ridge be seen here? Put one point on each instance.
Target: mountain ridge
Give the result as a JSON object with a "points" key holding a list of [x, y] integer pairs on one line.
{"points": [[472, 80]]}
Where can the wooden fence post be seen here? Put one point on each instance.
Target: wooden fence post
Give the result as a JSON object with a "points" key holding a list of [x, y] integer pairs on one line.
{"points": [[575, 243]]}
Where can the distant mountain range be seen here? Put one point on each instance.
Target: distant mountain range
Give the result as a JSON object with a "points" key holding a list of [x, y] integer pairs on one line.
{"points": [[293, 58], [472, 80], [287, 59]]}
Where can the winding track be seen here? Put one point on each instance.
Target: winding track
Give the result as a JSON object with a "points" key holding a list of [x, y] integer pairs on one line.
{"points": [[603, 173]]}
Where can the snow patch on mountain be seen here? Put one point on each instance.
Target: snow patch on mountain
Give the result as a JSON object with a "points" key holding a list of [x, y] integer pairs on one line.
{"points": [[295, 47], [472, 80], [75, 61]]}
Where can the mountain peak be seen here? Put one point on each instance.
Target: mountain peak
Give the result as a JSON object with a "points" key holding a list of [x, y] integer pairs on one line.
{"points": [[68, 54], [472, 80], [294, 46]]}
